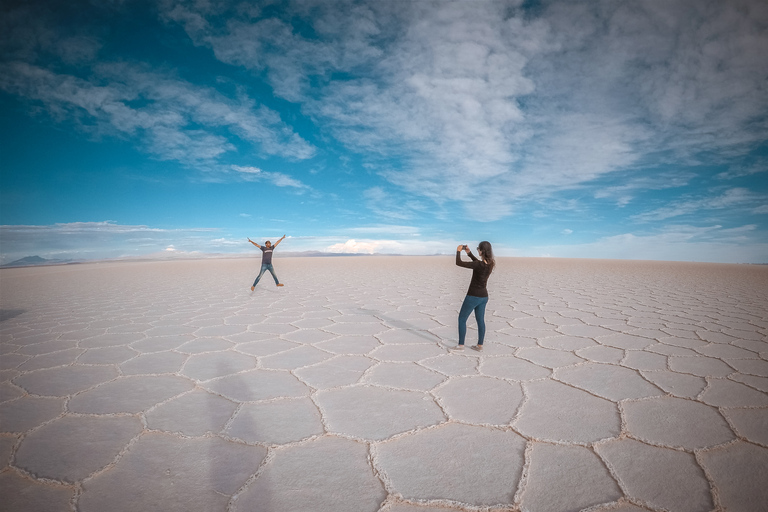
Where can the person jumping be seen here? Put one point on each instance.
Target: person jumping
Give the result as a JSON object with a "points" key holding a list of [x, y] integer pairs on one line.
{"points": [[266, 260]]}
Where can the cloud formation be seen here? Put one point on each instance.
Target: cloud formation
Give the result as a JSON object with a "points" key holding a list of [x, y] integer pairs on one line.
{"points": [[387, 246], [278, 179], [199, 126], [446, 115], [735, 198], [174, 119], [484, 101]]}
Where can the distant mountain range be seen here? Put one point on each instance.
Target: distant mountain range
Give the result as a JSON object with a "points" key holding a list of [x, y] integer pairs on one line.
{"points": [[32, 261]]}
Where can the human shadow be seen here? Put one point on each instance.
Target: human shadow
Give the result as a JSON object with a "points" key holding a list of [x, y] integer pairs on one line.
{"points": [[402, 324], [7, 314], [220, 468]]}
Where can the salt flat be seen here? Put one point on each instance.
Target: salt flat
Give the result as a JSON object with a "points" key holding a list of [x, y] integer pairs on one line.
{"points": [[604, 385]]}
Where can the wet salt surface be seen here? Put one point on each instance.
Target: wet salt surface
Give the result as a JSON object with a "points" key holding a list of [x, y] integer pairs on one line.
{"points": [[604, 385]]}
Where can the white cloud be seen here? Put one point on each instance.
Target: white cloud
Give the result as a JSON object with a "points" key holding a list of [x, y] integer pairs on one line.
{"points": [[358, 247], [226, 242], [378, 246], [483, 102], [276, 178], [741, 170], [731, 199], [387, 229], [674, 243], [486, 103], [567, 232], [624, 194], [395, 207], [174, 119]]}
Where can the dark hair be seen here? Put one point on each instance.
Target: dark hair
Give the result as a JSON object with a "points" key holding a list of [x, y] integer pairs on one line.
{"points": [[486, 251], [267, 242]]}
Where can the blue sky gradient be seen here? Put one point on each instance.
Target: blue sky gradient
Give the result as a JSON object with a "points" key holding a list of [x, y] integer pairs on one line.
{"points": [[590, 129]]}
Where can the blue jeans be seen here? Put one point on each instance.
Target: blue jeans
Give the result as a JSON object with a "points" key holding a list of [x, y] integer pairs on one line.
{"points": [[476, 304], [265, 267]]}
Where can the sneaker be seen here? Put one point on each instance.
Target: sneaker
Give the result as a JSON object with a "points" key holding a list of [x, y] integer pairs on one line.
{"points": [[479, 348], [280, 284], [253, 288], [458, 348]]}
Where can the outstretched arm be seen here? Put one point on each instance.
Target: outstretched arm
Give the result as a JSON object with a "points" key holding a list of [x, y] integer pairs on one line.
{"points": [[254, 243], [278, 241]]}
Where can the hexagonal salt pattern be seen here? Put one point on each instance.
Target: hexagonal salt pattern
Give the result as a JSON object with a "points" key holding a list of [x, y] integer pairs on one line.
{"points": [[557, 412], [676, 422], [567, 478], [329, 473], [661, 478], [191, 474], [27, 495], [71, 448], [740, 489], [480, 400], [444, 463], [619, 386], [375, 413]]}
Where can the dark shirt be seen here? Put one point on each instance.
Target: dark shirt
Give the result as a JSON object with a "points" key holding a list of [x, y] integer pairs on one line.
{"points": [[480, 273], [266, 255]]}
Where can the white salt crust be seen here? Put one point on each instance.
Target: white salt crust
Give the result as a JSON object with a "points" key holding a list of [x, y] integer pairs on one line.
{"points": [[603, 385]]}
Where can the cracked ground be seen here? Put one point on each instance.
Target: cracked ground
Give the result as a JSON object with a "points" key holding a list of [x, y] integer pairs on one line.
{"points": [[603, 385]]}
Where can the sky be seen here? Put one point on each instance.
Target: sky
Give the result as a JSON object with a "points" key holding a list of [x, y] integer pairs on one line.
{"points": [[574, 128]]}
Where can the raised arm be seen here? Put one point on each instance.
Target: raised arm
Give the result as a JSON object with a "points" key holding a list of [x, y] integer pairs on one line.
{"points": [[254, 243], [465, 264], [278, 241]]}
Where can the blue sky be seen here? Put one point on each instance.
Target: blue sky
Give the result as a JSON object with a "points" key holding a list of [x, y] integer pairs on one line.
{"points": [[590, 129]]}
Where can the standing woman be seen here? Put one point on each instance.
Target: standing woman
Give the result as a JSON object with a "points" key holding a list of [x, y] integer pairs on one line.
{"points": [[477, 295]]}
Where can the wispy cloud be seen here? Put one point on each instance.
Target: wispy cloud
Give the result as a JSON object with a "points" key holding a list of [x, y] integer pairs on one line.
{"points": [[388, 229], [748, 169], [732, 198], [483, 102], [276, 178], [625, 193], [173, 119], [413, 115], [675, 242]]}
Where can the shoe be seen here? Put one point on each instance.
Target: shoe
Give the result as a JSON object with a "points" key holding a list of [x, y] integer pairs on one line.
{"points": [[479, 348], [281, 284], [253, 288], [459, 348]]}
